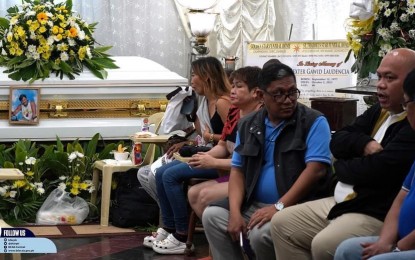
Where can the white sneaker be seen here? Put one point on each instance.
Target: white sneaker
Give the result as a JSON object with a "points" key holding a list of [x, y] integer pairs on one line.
{"points": [[170, 246], [160, 234]]}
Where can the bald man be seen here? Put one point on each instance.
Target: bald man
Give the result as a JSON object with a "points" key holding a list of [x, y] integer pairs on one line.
{"points": [[373, 156]]}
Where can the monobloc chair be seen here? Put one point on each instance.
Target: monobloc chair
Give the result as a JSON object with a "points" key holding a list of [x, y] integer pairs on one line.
{"points": [[107, 170]]}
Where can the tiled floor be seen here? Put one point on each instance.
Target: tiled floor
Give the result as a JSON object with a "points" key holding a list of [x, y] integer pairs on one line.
{"points": [[116, 247]]}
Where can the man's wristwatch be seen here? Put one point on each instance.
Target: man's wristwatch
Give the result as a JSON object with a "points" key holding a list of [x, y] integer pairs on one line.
{"points": [[279, 206]]}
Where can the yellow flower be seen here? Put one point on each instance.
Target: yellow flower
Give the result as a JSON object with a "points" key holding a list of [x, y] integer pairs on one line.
{"points": [[61, 17], [84, 186], [42, 18], [46, 55], [34, 26], [55, 29], [19, 183], [82, 53], [42, 29], [74, 191], [59, 37], [30, 173], [75, 185], [76, 178]]}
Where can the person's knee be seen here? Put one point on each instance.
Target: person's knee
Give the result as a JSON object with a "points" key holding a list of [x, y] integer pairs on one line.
{"points": [[192, 195], [204, 197], [322, 247]]}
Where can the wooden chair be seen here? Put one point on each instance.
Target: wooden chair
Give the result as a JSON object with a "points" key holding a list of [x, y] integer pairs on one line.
{"points": [[192, 218]]}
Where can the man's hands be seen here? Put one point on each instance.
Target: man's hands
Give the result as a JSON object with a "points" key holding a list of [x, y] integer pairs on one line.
{"points": [[372, 147], [236, 225], [262, 216], [174, 148], [372, 249]]}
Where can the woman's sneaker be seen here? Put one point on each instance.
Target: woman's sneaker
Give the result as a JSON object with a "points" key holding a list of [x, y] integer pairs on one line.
{"points": [[169, 246], [160, 234]]}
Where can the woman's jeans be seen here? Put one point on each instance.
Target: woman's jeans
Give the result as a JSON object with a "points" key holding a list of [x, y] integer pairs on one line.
{"points": [[172, 197]]}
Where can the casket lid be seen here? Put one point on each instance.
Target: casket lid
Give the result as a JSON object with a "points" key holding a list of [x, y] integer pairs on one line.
{"points": [[133, 71]]}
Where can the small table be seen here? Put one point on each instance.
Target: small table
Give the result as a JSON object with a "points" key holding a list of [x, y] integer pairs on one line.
{"points": [[107, 171], [159, 139]]}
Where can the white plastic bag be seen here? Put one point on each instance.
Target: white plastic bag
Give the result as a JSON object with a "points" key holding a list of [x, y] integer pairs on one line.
{"points": [[173, 119], [61, 209]]}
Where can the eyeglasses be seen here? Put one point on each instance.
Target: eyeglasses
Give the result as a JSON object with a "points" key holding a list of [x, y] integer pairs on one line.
{"points": [[405, 104], [280, 98]]}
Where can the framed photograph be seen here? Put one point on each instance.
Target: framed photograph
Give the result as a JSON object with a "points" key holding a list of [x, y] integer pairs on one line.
{"points": [[24, 105]]}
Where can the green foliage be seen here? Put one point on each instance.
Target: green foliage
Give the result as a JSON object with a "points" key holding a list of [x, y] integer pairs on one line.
{"points": [[44, 166]]}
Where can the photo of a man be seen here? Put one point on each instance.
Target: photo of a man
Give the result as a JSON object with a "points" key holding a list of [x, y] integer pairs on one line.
{"points": [[24, 107]]}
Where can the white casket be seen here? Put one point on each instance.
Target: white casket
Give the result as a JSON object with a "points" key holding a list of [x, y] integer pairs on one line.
{"points": [[80, 108]]}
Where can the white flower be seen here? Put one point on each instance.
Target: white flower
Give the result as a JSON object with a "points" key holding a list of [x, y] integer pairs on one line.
{"points": [[2, 191], [388, 12], [50, 40], [30, 161], [81, 35], [20, 163], [80, 155], [13, 193], [394, 27], [62, 177], [404, 18], [64, 56], [72, 156], [38, 184], [381, 53], [411, 10], [91, 189], [30, 13], [62, 186], [412, 34], [40, 190]]}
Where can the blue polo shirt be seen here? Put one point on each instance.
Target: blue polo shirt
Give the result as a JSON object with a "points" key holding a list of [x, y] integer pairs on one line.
{"points": [[318, 150], [406, 222]]}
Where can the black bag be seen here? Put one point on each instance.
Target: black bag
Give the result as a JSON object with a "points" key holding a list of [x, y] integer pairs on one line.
{"points": [[190, 150], [132, 205]]}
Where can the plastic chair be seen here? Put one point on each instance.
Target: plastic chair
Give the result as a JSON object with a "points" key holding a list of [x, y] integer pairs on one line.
{"points": [[107, 170]]}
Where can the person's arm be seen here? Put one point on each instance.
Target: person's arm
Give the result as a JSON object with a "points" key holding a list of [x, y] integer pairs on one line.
{"points": [[18, 108], [34, 111], [236, 193], [351, 140], [389, 233]]}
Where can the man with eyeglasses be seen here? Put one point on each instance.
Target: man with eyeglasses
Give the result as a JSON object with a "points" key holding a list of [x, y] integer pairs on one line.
{"points": [[373, 156], [281, 156]]}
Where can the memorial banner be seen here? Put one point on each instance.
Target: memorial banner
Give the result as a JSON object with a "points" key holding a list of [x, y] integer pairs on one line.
{"points": [[319, 65]]}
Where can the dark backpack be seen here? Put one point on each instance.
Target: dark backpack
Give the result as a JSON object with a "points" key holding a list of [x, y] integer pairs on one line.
{"points": [[132, 206]]}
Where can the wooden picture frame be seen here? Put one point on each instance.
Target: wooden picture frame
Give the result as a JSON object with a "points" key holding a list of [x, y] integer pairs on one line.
{"points": [[24, 105]]}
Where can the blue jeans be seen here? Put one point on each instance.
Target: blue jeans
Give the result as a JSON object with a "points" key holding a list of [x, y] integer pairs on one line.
{"points": [[351, 249], [172, 198]]}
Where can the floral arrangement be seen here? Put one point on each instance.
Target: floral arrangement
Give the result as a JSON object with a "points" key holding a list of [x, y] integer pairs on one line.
{"points": [[391, 26], [77, 180], [45, 168], [41, 37]]}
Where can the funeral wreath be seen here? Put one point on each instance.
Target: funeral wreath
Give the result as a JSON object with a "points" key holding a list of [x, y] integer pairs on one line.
{"points": [[39, 37]]}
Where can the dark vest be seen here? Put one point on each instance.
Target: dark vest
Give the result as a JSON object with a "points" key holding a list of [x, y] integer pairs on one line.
{"points": [[290, 148]]}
